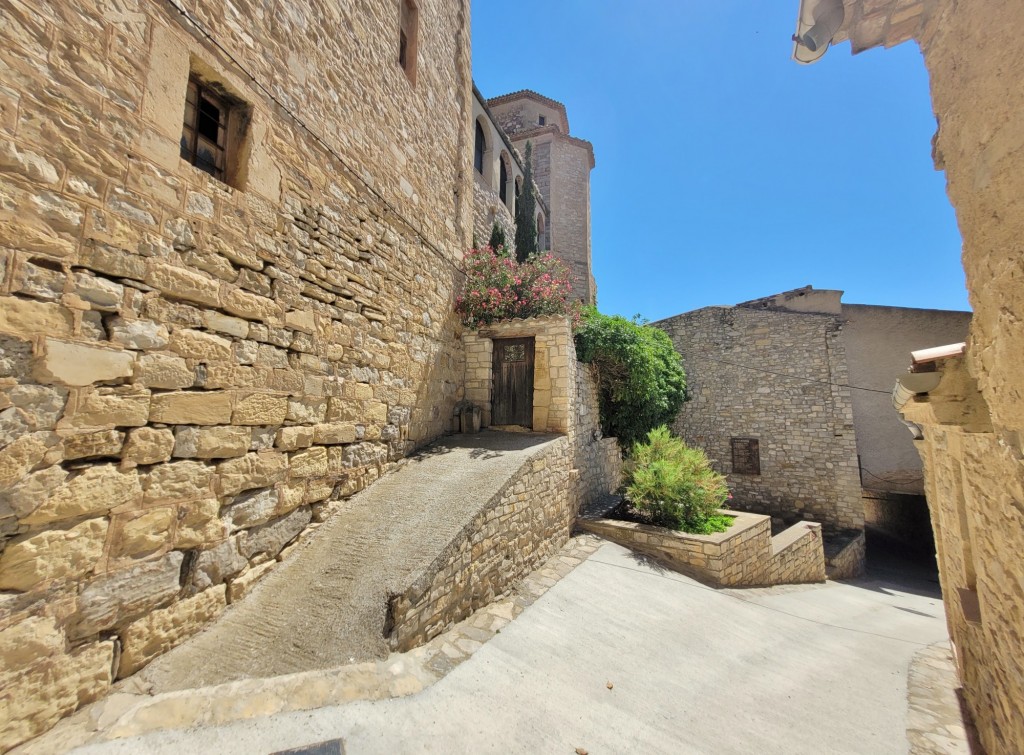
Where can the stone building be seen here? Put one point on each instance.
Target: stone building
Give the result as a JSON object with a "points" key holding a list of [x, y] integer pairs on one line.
{"points": [[498, 173], [973, 423], [790, 396], [562, 165], [226, 296]]}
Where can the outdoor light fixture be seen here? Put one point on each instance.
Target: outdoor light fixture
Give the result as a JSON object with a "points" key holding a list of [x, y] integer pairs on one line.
{"points": [[818, 22]]}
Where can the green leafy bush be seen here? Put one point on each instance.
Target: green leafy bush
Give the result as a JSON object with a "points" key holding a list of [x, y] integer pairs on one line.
{"points": [[497, 242], [675, 486], [640, 374]]}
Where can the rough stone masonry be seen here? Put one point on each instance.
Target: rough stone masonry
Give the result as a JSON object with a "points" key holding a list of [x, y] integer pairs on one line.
{"points": [[191, 365]]}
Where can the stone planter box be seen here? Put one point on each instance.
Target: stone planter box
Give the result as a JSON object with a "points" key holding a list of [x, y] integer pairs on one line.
{"points": [[746, 555]]}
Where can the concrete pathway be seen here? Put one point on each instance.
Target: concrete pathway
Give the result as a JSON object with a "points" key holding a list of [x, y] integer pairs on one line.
{"points": [[325, 605], [624, 656]]}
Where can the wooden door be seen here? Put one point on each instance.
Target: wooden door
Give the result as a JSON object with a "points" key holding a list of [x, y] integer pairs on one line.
{"points": [[512, 396]]}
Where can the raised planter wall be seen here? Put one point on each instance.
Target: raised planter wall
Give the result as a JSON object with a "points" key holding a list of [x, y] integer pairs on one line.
{"points": [[746, 555]]}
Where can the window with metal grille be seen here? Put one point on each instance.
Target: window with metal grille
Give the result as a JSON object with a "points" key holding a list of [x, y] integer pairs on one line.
{"points": [[407, 29], [542, 121], [204, 132]]}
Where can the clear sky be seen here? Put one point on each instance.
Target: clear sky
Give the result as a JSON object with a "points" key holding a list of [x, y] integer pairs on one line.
{"points": [[725, 171]]}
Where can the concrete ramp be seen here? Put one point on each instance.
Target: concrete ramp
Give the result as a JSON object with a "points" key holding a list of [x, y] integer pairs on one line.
{"points": [[326, 605]]}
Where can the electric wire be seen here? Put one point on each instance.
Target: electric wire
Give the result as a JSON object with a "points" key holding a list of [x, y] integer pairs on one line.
{"points": [[796, 377]]}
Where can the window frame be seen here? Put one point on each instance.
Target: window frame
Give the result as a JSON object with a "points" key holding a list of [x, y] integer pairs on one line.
{"points": [[190, 152]]}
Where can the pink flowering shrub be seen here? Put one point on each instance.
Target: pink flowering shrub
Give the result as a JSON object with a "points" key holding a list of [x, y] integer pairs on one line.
{"points": [[499, 288]]}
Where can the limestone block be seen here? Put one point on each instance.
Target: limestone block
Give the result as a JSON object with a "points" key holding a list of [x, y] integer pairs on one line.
{"points": [[38, 406], [138, 334], [177, 481], [262, 438], [233, 326], [270, 538], [37, 698], [179, 283], [199, 523], [139, 534], [192, 408], [306, 410], [195, 344], [52, 554], [222, 442], [161, 630], [79, 364], [114, 600], [27, 317], [39, 282], [100, 293], [259, 409], [254, 470], [110, 407], [334, 433], [303, 320], [242, 585], [318, 490], [251, 306], [312, 462], [251, 508], [294, 438], [112, 261], [86, 445], [163, 371], [22, 497], [21, 455], [24, 643], [95, 490], [148, 445]]}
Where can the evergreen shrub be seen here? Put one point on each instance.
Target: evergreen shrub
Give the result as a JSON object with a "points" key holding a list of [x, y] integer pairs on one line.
{"points": [[675, 486]]}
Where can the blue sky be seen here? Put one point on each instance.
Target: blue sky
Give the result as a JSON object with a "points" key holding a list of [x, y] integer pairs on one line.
{"points": [[725, 171]]}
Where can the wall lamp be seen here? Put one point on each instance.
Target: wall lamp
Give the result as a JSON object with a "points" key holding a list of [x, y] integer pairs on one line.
{"points": [[817, 24]]}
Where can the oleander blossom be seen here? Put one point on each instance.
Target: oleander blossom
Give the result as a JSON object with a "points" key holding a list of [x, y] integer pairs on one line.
{"points": [[499, 288]]}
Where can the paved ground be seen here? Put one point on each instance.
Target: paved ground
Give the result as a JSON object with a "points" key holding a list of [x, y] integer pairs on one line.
{"points": [[325, 605], [622, 656]]}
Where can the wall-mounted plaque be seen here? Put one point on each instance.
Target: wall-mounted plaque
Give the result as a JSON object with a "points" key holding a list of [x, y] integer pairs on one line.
{"points": [[746, 456]]}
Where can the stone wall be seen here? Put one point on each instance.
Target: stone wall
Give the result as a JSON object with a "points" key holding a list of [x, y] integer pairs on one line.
{"points": [[190, 368], [878, 340], [488, 209], [778, 377], [745, 555], [974, 491]]}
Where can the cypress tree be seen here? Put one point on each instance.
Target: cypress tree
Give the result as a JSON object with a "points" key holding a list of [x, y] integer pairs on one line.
{"points": [[526, 210], [497, 237]]}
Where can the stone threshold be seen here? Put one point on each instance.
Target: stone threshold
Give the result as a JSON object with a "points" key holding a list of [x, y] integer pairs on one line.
{"points": [[128, 713]]}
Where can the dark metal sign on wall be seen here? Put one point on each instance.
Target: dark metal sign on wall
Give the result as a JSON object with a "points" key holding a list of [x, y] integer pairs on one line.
{"points": [[746, 456]]}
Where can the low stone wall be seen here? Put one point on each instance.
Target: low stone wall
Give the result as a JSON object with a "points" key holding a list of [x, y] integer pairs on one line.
{"points": [[845, 555], [524, 523], [746, 555]]}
